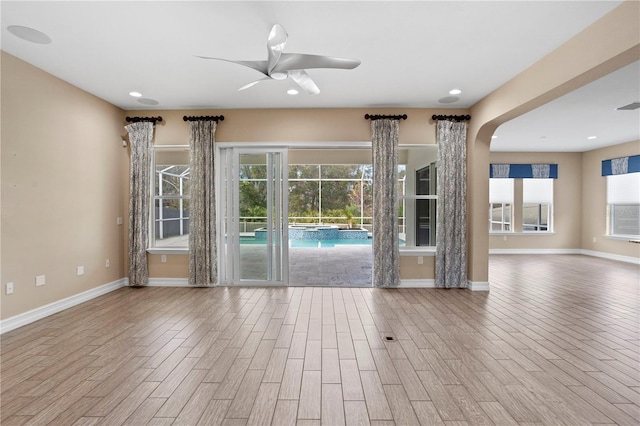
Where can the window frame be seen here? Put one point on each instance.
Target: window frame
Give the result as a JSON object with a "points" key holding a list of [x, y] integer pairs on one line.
{"points": [[538, 224], [539, 207], [153, 247], [404, 197], [612, 220], [502, 206], [630, 187], [414, 158], [503, 223]]}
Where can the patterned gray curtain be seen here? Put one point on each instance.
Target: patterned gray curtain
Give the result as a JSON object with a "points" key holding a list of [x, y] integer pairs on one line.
{"points": [[540, 171], [140, 141], [202, 215], [386, 254], [451, 222], [501, 170], [620, 166]]}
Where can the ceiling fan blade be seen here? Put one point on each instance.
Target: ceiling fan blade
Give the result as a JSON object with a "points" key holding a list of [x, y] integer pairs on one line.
{"points": [[260, 66], [299, 61], [304, 81], [275, 45], [253, 83]]}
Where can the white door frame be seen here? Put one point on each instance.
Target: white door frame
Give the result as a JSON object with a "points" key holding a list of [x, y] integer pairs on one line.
{"points": [[227, 206]]}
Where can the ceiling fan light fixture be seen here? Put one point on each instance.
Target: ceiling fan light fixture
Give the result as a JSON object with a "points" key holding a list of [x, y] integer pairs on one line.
{"points": [[280, 66], [279, 75]]}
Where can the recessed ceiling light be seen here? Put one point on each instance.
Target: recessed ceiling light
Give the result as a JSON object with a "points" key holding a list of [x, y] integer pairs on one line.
{"points": [[292, 92], [494, 137], [29, 34], [592, 137], [455, 91], [135, 94]]}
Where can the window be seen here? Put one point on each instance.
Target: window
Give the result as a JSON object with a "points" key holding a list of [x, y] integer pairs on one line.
{"points": [[170, 198], [500, 205], [417, 196], [338, 194], [623, 200], [324, 188], [537, 205], [426, 208]]}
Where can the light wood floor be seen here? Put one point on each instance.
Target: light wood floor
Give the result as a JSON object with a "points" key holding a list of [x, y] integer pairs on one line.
{"points": [[556, 341]]}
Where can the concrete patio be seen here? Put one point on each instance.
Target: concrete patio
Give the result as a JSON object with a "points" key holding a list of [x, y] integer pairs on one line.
{"points": [[339, 266]]}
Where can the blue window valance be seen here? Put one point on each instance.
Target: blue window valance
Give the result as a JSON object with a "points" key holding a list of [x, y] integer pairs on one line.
{"points": [[621, 165], [524, 171]]}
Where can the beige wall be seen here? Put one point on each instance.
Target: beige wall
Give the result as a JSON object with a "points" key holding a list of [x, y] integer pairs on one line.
{"points": [[295, 125], [567, 207], [594, 201], [410, 269], [61, 174]]}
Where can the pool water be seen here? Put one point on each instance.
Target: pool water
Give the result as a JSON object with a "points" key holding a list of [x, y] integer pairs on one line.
{"points": [[312, 243]]}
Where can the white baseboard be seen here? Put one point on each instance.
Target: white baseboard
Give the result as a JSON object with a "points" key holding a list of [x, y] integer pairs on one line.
{"points": [[611, 256], [169, 282], [478, 285], [52, 308], [535, 251], [417, 283], [430, 283]]}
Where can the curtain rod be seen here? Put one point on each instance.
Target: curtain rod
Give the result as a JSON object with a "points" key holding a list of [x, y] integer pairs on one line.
{"points": [[138, 119], [451, 117], [204, 118], [379, 117]]}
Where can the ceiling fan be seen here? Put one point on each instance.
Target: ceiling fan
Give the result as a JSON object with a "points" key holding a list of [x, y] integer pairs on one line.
{"points": [[280, 65]]}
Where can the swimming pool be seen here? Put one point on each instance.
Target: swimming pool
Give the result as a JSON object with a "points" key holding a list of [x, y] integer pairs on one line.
{"points": [[318, 233], [250, 240]]}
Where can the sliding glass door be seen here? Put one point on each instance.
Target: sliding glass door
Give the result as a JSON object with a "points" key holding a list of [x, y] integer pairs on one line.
{"points": [[252, 209]]}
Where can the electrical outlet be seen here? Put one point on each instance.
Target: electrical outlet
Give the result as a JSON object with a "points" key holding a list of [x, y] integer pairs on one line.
{"points": [[420, 260], [119, 220], [107, 263], [80, 270], [595, 239], [504, 238], [9, 288], [40, 280], [163, 258]]}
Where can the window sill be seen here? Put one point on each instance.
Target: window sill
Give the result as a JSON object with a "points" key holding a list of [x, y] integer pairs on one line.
{"points": [[622, 237], [404, 251], [168, 250], [417, 251], [522, 233]]}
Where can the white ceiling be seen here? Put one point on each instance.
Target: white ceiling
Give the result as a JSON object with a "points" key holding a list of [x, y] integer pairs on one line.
{"points": [[412, 54], [565, 124]]}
